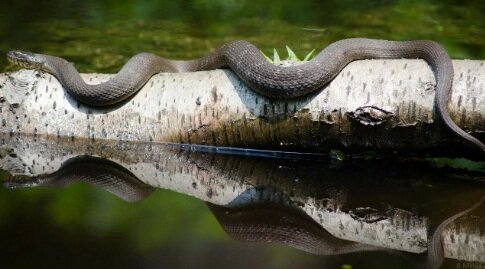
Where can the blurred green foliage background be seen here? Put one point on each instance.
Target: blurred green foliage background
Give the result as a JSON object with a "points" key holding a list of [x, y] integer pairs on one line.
{"points": [[101, 35]]}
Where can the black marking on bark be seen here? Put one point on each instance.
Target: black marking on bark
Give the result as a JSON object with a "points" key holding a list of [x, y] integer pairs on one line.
{"points": [[370, 115], [413, 110], [463, 115], [214, 94], [226, 134], [13, 108], [199, 117], [214, 138]]}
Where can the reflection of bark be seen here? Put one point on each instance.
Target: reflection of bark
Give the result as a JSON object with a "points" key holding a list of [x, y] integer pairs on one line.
{"points": [[382, 105], [361, 203]]}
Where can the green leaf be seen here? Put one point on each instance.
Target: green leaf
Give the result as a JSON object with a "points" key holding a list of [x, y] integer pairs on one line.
{"points": [[291, 55], [266, 57], [307, 57], [276, 57]]}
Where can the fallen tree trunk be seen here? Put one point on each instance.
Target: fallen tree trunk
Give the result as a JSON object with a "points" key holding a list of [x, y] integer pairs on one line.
{"points": [[381, 105]]}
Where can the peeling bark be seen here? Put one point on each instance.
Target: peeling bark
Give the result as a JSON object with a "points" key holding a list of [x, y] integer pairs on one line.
{"points": [[381, 105]]}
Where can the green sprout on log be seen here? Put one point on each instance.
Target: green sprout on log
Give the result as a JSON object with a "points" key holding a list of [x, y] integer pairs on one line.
{"points": [[276, 60]]}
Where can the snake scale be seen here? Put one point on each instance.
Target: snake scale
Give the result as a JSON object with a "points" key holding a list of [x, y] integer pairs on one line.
{"points": [[248, 63]]}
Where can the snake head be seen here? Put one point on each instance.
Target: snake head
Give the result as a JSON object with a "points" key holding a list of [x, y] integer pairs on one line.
{"points": [[26, 59]]}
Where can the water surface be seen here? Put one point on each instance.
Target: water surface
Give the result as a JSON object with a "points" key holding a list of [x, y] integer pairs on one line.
{"points": [[78, 198]]}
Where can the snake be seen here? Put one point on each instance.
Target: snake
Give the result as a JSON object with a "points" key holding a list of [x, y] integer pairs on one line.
{"points": [[266, 79], [100, 172], [282, 224], [272, 223]]}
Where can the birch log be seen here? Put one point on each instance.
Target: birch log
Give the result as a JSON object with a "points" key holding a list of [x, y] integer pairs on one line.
{"points": [[382, 105]]}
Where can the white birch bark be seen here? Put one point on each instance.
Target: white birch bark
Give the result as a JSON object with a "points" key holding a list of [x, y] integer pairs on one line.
{"points": [[372, 104]]}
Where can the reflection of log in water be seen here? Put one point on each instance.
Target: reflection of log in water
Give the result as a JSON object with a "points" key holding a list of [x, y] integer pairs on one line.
{"points": [[266, 222], [358, 203]]}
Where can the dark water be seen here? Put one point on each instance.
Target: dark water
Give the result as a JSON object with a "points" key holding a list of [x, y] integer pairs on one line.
{"points": [[69, 207], [82, 225]]}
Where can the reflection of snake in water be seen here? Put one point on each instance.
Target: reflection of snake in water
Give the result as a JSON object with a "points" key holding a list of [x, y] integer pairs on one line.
{"points": [[435, 244], [247, 62], [278, 224], [273, 223], [258, 222], [99, 172]]}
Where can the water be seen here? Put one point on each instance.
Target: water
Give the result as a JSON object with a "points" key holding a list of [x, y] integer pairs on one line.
{"points": [[97, 212], [82, 225]]}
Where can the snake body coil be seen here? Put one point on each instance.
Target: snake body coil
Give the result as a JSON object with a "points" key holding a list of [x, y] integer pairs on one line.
{"points": [[247, 62]]}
